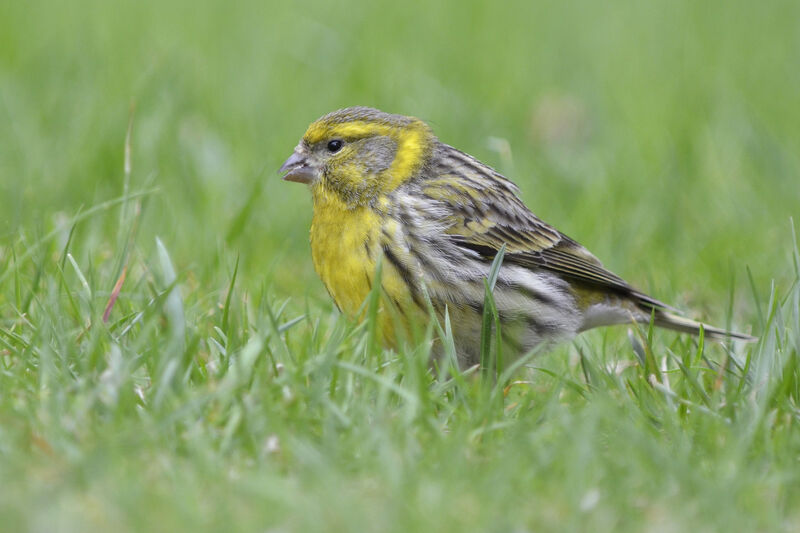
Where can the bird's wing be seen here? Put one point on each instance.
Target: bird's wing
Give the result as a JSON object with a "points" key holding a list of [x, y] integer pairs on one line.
{"points": [[484, 213]]}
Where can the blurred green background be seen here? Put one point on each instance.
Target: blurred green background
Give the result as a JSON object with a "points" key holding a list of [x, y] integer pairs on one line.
{"points": [[663, 135]]}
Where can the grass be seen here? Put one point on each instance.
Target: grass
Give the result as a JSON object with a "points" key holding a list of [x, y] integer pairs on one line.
{"points": [[169, 360]]}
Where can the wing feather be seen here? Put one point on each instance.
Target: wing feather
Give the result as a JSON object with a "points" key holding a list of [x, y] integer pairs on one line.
{"points": [[484, 212]]}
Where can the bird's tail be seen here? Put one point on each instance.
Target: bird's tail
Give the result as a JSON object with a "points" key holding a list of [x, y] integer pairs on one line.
{"points": [[678, 323]]}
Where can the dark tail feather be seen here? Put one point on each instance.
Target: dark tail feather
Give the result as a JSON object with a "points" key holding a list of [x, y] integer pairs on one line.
{"points": [[678, 323]]}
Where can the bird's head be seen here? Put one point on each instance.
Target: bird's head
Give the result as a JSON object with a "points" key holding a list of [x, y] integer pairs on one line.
{"points": [[359, 153]]}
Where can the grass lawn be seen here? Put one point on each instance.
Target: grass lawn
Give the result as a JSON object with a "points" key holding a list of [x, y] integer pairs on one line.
{"points": [[222, 391]]}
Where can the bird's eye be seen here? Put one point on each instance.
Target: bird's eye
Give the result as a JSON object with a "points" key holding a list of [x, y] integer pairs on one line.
{"points": [[335, 145]]}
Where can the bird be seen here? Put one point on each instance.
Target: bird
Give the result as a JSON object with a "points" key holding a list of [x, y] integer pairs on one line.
{"points": [[386, 191]]}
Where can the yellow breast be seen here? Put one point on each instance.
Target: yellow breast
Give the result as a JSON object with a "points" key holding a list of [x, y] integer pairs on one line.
{"points": [[343, 244], [346, 244]]}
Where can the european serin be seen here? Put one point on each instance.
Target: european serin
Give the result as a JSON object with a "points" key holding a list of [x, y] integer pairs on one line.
{"points": [[384, 186]]}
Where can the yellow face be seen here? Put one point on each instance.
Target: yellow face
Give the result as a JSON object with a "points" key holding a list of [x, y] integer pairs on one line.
{"points": [[359, 153]]}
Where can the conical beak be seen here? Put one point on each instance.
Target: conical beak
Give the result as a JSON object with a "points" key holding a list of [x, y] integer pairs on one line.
{"points": [[298, 169]]}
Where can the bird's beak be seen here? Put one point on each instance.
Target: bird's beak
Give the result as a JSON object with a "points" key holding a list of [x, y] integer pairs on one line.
{"points": [[298, 169]]}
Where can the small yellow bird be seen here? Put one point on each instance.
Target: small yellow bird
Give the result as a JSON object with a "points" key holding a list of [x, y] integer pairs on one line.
{"points": [[384, 186]]}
